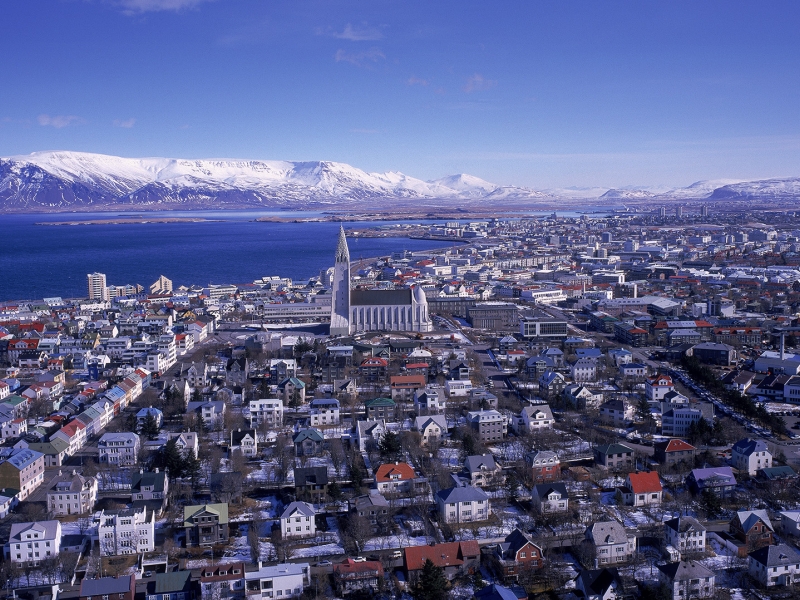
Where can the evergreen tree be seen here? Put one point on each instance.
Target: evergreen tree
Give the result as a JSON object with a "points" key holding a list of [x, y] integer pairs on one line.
{"points": [[149, 427], [191, 468], [390, 446], [171, 459], [710, 503], [432, 584]]}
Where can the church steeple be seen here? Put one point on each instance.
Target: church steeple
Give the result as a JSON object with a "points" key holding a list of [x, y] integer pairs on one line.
{"points": [[342, 251], [340, 293]]}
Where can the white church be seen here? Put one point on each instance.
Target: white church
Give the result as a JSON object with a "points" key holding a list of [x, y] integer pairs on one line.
{"points": [[354, 311]]}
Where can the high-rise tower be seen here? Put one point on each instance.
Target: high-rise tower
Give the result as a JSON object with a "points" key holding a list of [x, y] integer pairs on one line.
{"points": [[96, 283], [340, 298]]}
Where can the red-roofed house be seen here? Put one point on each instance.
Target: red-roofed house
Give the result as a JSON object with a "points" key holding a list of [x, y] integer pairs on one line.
{"points": [[456, 558], [74, 433], [222, 581], [396, 478], [404, 386], [350, 576], [675, 453], [658, 386], [644, 488]]}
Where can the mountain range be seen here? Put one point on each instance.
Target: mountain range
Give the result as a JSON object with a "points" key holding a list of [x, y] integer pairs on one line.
{"points": [[55, 181]]}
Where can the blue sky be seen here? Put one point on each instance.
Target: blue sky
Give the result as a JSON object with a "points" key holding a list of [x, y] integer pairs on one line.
{"points": [[540, 94]]}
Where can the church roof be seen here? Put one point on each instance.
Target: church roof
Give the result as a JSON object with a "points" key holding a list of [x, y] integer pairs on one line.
{"points": [[381, 297]]}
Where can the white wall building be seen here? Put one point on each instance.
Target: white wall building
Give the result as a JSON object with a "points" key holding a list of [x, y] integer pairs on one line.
{"points": [[298, 521], [33, 542], [125, 532], [119, 448]]}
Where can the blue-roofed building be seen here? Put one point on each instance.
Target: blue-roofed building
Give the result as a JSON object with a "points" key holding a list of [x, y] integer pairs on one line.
{"points": [[719, 480]]}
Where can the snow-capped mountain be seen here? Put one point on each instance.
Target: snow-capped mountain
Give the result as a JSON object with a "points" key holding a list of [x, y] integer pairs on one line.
{"points": [[767, 189], [64, 180]]}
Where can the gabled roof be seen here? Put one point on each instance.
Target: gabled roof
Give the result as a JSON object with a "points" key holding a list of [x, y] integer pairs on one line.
{"points": [[462, 493], [613, 449], [349, 566], [748, 518], [450, 554], [715, 476], [303, 508], [684, 524], [543, 490], [308, 434], [776, 556], [608, 532], [220, 509], [645, 482], [478, 462], [421, 423], [391, 470], [598, 581], [674, 446], [683, 571], [156, 480], [747, 446]]}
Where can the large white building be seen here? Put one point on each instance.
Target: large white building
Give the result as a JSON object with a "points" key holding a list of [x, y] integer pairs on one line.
{"points": [[126, 532], [751, 455], [72, 494], [119, 448], [278, 581], [353, 311], [33, 542]]}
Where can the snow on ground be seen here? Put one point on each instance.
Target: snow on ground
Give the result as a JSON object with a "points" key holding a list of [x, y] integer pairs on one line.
{"points": [[391, 542], [450, 457]]}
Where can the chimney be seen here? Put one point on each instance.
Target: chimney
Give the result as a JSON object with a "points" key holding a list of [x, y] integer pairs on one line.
{"points": [[156, 470], [783, 351]]}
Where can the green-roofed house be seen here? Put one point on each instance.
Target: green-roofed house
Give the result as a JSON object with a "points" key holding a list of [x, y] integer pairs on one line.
{"points": [[776, 478], [55, 451], [308, 442], [177, 585], [293, 391], [381, 408], [18, 404], [614, 457], [205, 524]]}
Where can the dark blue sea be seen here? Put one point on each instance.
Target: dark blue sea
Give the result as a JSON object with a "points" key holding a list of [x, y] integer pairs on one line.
{"points": [[39, 261]]}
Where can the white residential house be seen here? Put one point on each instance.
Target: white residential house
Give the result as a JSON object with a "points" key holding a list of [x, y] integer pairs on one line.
{"points": [[369, 431], [245, 442], [14, 428], [584, 369], [550, 498], [432, 428], [775, 565], [657, 387], [72, 494], [790, 522], [33, 542], [457, 388], [611, 542], [120, 449], [536, 418], [285, 580], [431, 398], [324, 411], [266, 410], [686, 580], [297, 521], [128, 531], [617, 412], [685, 534], [463, 504], [749, 456], [185, 441]]}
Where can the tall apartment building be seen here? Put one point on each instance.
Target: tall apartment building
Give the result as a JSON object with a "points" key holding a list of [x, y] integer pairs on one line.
{"points": [[128, 531], [98, 290]]}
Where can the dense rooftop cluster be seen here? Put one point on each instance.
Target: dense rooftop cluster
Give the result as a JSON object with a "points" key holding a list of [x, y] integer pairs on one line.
{"points": [[604, 405]]}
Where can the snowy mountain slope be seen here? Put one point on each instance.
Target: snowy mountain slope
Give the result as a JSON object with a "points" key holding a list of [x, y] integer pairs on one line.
{"points": [[777, 189], [64, 179]]}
